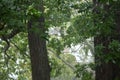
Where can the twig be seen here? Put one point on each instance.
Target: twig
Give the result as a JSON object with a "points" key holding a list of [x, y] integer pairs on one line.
{"points": [[19, 49]]}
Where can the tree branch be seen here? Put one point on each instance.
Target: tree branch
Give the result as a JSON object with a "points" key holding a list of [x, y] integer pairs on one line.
{"points": [[20, 49], [11, 35], [6, 39], [69, 65]]}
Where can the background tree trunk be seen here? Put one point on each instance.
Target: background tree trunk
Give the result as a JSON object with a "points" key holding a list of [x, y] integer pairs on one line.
{"points": [[106, 70], [37, 46]]}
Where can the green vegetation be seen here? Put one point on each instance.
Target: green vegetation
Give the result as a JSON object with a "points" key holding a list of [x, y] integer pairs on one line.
{"points": [[59, 39]]}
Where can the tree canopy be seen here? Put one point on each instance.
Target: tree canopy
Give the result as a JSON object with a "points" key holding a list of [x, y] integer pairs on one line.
{"points": [[63, 31]]}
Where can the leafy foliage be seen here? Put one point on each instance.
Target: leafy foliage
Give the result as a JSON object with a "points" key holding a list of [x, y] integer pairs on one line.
{"points": [[75, 21], [84, 71]]}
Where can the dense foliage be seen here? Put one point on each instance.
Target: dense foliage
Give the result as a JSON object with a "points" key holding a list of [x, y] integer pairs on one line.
{"points": [[67, 23]]}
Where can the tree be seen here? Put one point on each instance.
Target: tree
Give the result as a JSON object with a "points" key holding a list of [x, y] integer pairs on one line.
{"points": [[99, 20], [14, 16], [37, 45], [107, 39]]}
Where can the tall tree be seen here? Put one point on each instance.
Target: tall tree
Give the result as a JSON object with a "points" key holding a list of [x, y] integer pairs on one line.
{"points": [[37, 44], [107, 39]]}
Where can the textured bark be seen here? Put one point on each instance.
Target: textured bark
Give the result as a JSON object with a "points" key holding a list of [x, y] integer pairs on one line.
{"points": [[37, 46], [106, 70]]}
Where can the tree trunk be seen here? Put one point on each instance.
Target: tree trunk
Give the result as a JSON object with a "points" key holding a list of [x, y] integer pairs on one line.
{"points": [[106, 70], [37, 46]]}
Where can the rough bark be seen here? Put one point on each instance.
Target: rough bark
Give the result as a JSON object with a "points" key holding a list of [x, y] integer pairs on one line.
{"points": [[37, 46], [106, 70]]}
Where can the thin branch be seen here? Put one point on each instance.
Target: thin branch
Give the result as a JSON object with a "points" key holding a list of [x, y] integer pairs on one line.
{"points": [[66, 62], [19, 49], [73, 51], [6, 39], [6, 47], [70, 66], [11, 35], [62, 60]]}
